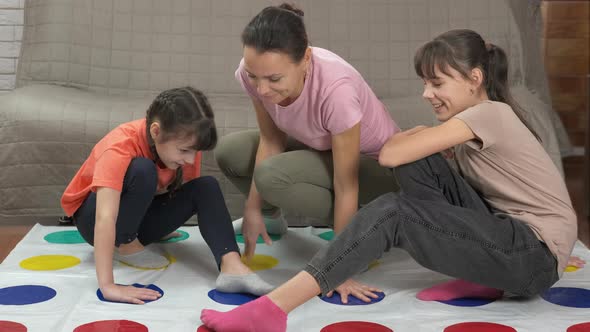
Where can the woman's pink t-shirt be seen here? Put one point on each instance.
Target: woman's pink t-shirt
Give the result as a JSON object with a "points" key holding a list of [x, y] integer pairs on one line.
{"points": [[335, 97]]}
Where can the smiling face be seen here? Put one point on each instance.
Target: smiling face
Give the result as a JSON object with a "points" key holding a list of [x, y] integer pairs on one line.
{"points": [[274, 74], [451, 93], [173, 151]]}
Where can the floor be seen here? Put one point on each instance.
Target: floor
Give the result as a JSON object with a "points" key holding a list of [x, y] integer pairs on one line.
{"points": [[574, 169]]}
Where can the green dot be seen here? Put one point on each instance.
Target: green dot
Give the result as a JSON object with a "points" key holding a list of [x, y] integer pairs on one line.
{"points": [[328, 236], [65, 237], [274, 237], [183, 236]]}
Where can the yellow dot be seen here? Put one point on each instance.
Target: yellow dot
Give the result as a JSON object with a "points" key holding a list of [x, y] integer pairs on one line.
{"points": [[261, 262], [374, 264], [171, 259], [571, 268], [49, 262]]}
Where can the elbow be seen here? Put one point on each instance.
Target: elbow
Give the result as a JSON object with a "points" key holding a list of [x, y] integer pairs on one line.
{"points": [[387, 158]]}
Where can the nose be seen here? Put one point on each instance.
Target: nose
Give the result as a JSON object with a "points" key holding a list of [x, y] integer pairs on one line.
{"points": [[427, 94], [262, 87]]}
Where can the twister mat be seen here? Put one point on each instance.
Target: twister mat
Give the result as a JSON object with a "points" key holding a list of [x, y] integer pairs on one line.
{"points": [[48, 283]]}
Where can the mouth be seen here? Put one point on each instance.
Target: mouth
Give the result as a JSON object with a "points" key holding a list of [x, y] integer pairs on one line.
{"points": [[437, 107]]}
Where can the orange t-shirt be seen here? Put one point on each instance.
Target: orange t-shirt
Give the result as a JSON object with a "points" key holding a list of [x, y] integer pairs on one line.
{"points": [[108, 162]]}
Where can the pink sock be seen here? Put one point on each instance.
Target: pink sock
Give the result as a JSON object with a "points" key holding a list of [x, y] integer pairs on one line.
{"points": [[260, 315], [457, 289]]}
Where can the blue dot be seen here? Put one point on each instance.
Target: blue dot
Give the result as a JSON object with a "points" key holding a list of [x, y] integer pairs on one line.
{"points": [[467, 302], [150, 286], [352, 300], [26, 294], [231, 298], [568, 297]]}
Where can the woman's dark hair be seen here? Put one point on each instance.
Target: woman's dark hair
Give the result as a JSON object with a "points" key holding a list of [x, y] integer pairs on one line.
{"points": [[278, 29], [464, 50], [182, 112]]}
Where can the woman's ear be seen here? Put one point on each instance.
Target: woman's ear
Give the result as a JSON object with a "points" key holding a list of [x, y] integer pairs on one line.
{"points": [[307, 58]]}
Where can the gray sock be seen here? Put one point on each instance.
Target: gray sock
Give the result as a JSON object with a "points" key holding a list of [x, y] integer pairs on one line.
{"points": [[145, 259], [246, 283]]}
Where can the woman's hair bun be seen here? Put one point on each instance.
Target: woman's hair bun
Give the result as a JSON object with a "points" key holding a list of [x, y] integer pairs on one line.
{"points": [[292, 8]]}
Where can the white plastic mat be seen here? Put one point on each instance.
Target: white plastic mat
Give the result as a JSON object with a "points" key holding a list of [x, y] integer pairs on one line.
{"points": [[187, 281]]}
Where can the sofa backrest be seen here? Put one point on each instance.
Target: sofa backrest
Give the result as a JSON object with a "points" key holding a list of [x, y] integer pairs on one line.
{"points": [[140, 47]]}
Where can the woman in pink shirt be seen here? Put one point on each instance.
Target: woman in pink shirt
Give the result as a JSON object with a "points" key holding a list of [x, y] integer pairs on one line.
{"points": [[321, 130]]}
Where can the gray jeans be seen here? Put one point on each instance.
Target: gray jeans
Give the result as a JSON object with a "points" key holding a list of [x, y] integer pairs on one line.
{"points": [[445, 226], [300, 181]]}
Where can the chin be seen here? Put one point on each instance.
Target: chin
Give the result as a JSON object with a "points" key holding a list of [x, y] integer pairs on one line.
{"points": [[172, 166]]}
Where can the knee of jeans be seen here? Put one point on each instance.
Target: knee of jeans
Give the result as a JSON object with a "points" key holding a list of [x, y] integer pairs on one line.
{"points": [[145, 170], [206, 181], [268, 177]]}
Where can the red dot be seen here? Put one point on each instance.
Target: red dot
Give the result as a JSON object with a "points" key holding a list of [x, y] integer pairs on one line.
{"points": [[204, 328], [582, 327], [6, 326], [355, 327], [112, 326], [479, 327]]}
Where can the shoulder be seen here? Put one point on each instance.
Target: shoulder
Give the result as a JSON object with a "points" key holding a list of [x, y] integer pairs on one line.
{"points": [[329, 68]]}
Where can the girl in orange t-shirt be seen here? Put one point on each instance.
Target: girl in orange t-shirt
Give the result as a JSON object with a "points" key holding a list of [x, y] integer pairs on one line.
{"points": [[141, 182]]}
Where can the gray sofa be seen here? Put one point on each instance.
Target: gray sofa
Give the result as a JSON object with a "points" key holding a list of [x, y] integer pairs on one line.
{"points": [[87, 66]]}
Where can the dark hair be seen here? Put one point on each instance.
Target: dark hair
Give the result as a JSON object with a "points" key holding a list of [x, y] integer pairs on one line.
{"points": [[182, 112], [464, 50], [278, 29]]}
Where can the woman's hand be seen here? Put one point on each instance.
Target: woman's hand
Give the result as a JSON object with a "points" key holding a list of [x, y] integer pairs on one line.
{"points": [[576, 261], [252, 227]]}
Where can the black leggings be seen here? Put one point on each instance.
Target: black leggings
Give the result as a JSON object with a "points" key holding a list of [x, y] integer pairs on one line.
{"points": [[149, 218]]}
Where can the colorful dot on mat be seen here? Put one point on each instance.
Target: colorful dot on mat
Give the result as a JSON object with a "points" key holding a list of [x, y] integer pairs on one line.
{"points": [[49, 262], [183, 236], [582, 327], [479, 327], [355, 326], [260, 262], [352, 300], [7, 326], [64, 237], [571, 268], [274, 237], [468, 302], [201, 328], [568, 297], [171, 258], [150, 286], [26, 294], [230, 298], [112, 326], [328, 236], [374, 264]]}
